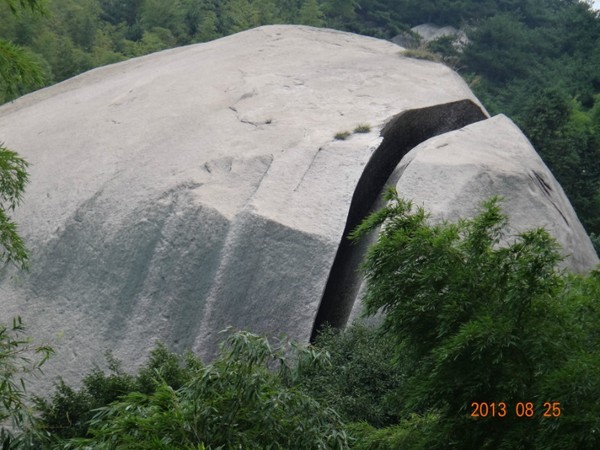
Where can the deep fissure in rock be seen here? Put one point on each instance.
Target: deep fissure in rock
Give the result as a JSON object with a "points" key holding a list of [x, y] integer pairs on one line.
{"points": [[402, 133]]}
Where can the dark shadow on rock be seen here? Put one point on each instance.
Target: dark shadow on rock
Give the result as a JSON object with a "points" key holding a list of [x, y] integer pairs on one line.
{"points": [[401, 134]]}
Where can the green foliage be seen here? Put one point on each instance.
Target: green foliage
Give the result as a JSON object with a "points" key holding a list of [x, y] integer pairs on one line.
{"points": [[121, 11], [574, 380], [447, 49], [509, 39], [310, 14], [13, 177], [16, 5], [19, 359], [363, 378], [67, 413], [20, 70], [362, 128], [571, 147], [244, 399], [167, 16], [481, 319], [342, 135], [164, 366], [340, 12], [239, 15], [415, 433]]}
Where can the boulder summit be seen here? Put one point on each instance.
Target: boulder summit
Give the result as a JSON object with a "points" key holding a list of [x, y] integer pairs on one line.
{"points": [[202, 187]]}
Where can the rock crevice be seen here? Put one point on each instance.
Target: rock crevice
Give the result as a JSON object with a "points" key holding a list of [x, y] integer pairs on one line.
{"points": [[402, 133]]}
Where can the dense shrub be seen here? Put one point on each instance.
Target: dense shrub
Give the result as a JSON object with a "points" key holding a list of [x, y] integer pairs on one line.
{"points": [[364, 377], [479, 319], [243, 399]]}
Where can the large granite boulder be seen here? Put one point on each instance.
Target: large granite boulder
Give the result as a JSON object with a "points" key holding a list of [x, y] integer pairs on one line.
{"points": [[454, 173], [176, 194]]}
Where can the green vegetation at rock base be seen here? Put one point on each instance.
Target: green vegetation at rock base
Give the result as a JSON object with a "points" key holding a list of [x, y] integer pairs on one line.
{"points": [[470, 315]]}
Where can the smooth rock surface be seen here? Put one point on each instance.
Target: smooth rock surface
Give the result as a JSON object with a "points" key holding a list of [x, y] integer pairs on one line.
{"points": [[197, 188], [452, 174], [430, 31], [176, 194]]}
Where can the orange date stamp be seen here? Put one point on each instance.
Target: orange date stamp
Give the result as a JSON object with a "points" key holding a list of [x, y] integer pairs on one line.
{"points": [[520, 409]]}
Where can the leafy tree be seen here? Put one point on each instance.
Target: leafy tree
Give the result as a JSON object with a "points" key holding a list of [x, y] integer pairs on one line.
{"points": [[117, 11], [33, 5], [478, 321], [575, 379], [19, 358], [66, 414], [310, 14], [415, 432], [13, 177], [207, 29], [363, 377], [266, 11], [166, 15], [570, 144], [244, 399], [238, 15], [500, 38], [19, 70], [343, 11]]}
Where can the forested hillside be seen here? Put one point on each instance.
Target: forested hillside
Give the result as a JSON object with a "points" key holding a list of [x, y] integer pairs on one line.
{"points": [[538, 61]]}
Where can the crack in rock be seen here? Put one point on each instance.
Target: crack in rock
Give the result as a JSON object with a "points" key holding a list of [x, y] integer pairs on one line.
{"points": [[402, 133], [255, 124]]}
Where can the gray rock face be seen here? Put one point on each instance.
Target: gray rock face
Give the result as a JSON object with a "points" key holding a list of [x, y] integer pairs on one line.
{"points": [[493, 158], [197, 188], [453, 173], [430, 31]]}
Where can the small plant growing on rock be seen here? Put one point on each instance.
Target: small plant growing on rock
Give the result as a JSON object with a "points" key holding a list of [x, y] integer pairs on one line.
{"points": [[421, 53], [342, 135], [363, 128]]}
